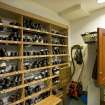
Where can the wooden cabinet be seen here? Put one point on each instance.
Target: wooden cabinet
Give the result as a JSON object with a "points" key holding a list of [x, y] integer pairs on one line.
{"points": [[101, 56]]}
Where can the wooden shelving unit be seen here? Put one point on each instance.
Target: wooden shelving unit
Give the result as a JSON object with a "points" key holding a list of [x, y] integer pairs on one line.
{"points": [[54, 58]]}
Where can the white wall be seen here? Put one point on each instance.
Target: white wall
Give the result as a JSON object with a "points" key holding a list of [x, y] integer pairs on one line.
{"points": [[31, 6], [96, 19], [91, 23], [93, 90]]}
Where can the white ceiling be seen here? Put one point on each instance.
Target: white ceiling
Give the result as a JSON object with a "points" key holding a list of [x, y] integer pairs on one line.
{"points": [[58, 5], [71, 9]]}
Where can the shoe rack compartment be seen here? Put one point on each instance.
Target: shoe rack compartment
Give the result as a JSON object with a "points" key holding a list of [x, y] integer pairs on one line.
{"points": [[32, 54]]}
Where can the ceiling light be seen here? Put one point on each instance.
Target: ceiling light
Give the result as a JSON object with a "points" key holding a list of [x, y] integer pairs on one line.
{"points": [[100, 1]]}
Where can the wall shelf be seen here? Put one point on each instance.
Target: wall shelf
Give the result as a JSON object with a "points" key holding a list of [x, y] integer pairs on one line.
{"points": [[10, 58], [17, 31], [9, 42]]}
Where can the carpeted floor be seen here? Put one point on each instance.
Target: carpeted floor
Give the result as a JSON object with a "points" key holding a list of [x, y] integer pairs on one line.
{"points": [[74, 101]]}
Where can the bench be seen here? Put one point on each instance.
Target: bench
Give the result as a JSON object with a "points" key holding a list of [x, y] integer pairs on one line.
{"points": [[51, 100]]}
